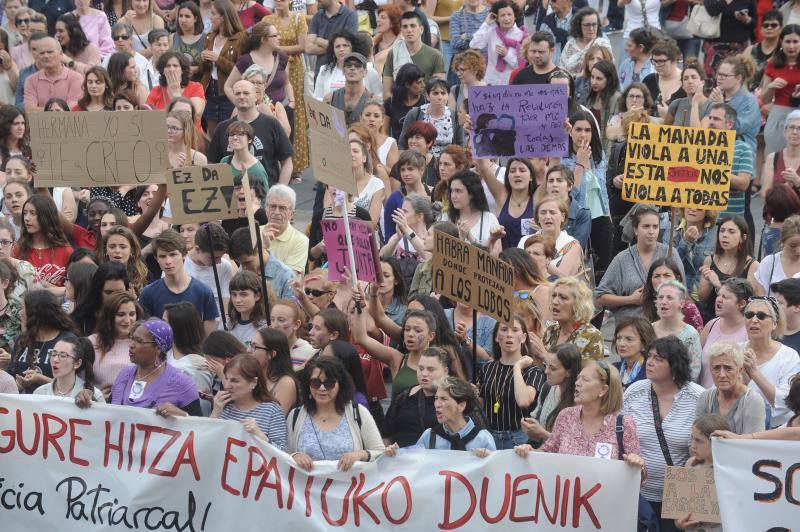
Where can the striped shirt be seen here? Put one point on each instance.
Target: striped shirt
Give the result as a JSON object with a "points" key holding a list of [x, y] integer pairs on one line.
{"points": [[496, 382], [677, 427], [743, 162], [269, 418]]}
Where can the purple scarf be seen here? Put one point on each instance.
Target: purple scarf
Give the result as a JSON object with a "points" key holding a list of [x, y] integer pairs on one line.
{"points": [[500, 66]]}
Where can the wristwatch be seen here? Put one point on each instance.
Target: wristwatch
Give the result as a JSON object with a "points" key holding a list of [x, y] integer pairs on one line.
{"points": [[412, 235]]}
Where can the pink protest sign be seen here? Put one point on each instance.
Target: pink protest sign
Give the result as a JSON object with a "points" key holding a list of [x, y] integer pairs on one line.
{"points": [[333, 235]]}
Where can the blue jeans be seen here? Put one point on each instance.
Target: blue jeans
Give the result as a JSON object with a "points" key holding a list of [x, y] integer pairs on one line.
{"points": [[690, 48], [447, 52], [507, 439]]}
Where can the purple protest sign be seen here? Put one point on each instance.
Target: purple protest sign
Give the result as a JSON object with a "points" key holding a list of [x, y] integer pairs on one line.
{"points": [[521, 120], [336, 248]]}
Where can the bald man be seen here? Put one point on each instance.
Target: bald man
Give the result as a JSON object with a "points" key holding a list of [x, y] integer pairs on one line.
{"points": [[53, 80], [270, 144]]}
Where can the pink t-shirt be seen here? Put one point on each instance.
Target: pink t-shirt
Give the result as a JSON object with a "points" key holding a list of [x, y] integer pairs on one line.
{"points": [[568, 436]]}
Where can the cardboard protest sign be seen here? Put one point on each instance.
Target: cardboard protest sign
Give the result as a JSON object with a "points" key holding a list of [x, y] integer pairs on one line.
{"points": [[678, 166], [336, 248], [521, 120], [690, 490], [202, 193], [758, 484], [330, 149], [467, 274], [118, 468], [99, 149]]}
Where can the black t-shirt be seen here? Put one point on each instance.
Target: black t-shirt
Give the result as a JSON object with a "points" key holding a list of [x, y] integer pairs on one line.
{"points": [[41, 358], [270, 144], [792, 340], [403, 423], [397, 114], [527, 76]]}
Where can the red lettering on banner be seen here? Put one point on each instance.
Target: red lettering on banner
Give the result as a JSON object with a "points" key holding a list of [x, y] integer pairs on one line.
{"points": [[307, 493], [50, 437], [565, 503], [290, 499], [582, 500], [230, 458], [108, 447], [409, 505], [447, 524], [541, 500], [74, 438], [7, 433], [516, 492], [504, 508], [185, 455], [131, 440], [148, 429], [30, 451], [345, 502], [271, 467], [359, 498]]}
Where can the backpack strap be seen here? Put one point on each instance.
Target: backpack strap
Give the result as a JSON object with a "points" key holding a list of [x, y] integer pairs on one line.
{"points": [[619, 430], [295, 415], [432, 439]]}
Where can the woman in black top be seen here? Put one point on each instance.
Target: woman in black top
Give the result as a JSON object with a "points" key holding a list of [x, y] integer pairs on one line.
{"points": [[412, 411], [408, 92], [735, 30]]}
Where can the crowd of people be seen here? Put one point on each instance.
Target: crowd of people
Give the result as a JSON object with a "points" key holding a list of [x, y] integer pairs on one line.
{"points": [[104, 299]]}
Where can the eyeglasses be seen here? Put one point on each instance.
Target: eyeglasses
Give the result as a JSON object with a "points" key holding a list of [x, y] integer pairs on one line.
{"points": [[5, 243], [140, 341], [765, 25], [635, 97], [279, 208], [59, 355], [255, 347], [21, 21], [793, 128], [121, 37], [355, 66], [174, 129], [760, 315], [315, 293], [316, 384], [720, 75], [589, 24], [659, 62]]}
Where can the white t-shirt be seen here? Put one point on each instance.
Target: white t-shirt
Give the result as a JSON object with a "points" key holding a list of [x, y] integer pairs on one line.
{"points": [[779, 370], [205, 274], [480, 231], [634, 18], [771, 271]]}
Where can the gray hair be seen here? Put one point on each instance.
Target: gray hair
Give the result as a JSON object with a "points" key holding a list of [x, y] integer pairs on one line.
{"points": [[727, 348], [282, 191], [791, 117], [121, 26], [421, 205], [255, 70]]}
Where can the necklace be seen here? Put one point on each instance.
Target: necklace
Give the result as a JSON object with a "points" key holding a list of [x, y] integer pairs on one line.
{"points": [[59, 393], [498, 387], [138, 378]]}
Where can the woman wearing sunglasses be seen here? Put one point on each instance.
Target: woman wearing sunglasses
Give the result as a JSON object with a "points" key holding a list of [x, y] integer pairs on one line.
{"points": [[71, 360], [769, 364], [330, 426]]}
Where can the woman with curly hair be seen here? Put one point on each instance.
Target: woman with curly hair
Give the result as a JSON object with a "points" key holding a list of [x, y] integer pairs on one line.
{"points": [[96, 91], [111, 341], [121, 245], [45, 323], [173, 81], [75, 45], [14, 134], [43, 244]]}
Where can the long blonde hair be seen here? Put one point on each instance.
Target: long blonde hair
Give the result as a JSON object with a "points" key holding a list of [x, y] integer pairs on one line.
{"points": [[189, 133]]}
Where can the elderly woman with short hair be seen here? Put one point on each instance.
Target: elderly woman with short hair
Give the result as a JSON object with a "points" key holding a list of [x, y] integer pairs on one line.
{"points": [[730, 397], [258, 76], [572, 308]]}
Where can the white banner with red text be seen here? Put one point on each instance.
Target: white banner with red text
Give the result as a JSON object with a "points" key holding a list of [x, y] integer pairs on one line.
{"points": [[119, 468], [758, 484]]}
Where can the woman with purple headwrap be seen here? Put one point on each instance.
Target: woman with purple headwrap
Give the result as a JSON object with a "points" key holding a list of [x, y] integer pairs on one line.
{"points": [[150, 382]]}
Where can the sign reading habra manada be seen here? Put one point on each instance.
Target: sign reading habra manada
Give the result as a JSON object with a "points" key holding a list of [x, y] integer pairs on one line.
{"points": [[120, 469], [678, 166]]}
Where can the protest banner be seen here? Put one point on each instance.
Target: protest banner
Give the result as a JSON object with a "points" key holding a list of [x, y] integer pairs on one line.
{"points": [[474, 277], [690, 490], [202, 193], [333, 234], [678, 166], [330, 149], [758, 484], [121, 468], [99, 149], [521, 120]]}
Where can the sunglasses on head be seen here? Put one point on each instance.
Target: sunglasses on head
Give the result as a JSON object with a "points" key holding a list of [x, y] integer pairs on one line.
{"points": [[314, 292], [760, 315], [316, 384]]}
